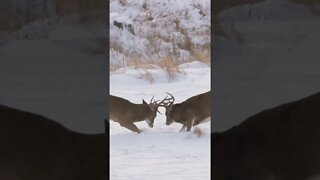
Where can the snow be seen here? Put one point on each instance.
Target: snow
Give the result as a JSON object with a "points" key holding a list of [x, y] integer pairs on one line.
{"points": [[160, 152], [277, 60]]}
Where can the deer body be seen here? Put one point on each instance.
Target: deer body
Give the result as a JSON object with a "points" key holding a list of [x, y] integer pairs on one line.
{"points": [[126, 113], [282, 143], [191, 112], [36, 148]]}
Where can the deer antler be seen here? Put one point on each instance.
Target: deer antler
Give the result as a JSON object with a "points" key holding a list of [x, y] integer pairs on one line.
{"points": [[166, 102], [154, 104]]}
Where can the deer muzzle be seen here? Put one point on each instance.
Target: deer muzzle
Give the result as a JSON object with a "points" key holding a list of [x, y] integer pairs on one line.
{"points": [[150, 124]]}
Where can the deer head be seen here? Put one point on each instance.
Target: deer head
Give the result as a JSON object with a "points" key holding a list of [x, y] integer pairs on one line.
{"points": [[167, 103], [153, 107]]}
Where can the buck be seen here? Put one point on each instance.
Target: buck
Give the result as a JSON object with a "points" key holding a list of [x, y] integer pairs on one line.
{"points": [[191, 112], [126, 113], [282, 143], [36, 148]]}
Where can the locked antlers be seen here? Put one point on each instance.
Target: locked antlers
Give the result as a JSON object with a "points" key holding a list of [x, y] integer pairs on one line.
{"points": [[167, 101]]}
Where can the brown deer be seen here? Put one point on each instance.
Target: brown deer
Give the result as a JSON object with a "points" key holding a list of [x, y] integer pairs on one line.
{"points": [[126, 113], [33, 147], [191, 112], [282, 143]]}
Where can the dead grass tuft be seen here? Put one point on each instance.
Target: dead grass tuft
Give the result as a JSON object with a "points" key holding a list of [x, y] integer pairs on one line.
{"points": [[148, 76], [198, 131], [202, 56], [169, 65], [135, 62]]}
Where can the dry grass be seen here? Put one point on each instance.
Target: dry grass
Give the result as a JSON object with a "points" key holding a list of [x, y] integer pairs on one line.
{"points": [[148, 76], [115, 46], [168, 64], [113, 67], [139, 63], [202, 55], [198, 131], [136, 62]]}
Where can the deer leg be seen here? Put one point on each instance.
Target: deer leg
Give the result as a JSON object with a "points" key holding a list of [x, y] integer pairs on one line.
{"points": [[190, 123], [131, 126], [196, 122], [183, 127]]}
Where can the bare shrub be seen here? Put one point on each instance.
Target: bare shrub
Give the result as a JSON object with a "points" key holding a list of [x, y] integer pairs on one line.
{"points": [[147, 75], [170, 67], [198, 131], [135, 62], [202, 56]]}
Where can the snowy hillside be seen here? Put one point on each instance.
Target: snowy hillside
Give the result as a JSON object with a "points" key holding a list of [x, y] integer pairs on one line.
{"points": [[160, 152], [159, 29], [53, 65], [265, 59], [56, 21]]}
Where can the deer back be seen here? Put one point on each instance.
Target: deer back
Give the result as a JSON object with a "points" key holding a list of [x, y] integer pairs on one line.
{"points": [[122, 110], [282, 142], [34, 147], [199, 106]]}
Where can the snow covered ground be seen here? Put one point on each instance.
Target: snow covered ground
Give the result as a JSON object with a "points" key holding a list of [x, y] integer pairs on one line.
{"points": [[160, 152], [276, 61]]}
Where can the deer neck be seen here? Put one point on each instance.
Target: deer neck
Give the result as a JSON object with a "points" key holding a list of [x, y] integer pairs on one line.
{"points": [[140, 112], [177, 111]]}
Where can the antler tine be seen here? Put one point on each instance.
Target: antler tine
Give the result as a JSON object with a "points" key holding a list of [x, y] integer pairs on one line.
{"points": [[151, 99], [166, 102], [162, 103], [172, 97], [163, 100]]}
